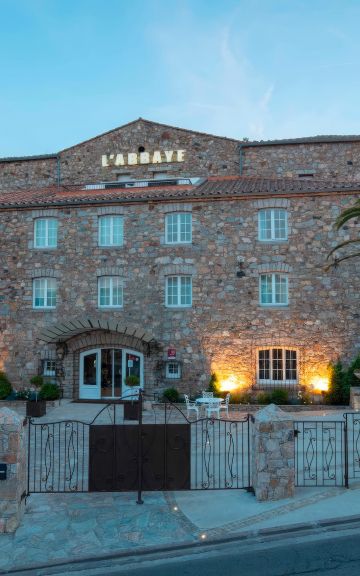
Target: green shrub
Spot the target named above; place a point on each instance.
(24, 394)
(132, 380)
(171, 394)
(263, 398)
(213, 384)
(5, 386)
(280, 396)
(351, 379)
(241, 397)
(49, 391)
(339, 385)
(37, 381)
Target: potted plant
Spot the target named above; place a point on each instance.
(34, 406)
(131, 407)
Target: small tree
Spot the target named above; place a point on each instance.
(339, 388)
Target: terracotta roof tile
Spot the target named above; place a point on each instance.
(213, 187)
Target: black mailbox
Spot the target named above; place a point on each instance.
(3, 471)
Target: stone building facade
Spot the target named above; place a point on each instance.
(208, 271)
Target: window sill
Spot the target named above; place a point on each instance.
(177, 243)
(284, 241)
(110, 307)
(44, 309)
(178, 307)
(272, 306)
(43, 248)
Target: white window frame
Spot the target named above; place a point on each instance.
(274, 276)
(178, 216)
(273, 236)
(178, 291)
(46, 286)
(111, 287)
(47, 236)
(173, 375)
(111, 219)
(276, 382)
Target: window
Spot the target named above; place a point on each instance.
(45, 233)
(273, 290)
(49, 368)
(178, 291)
(178, 228)
(277, 366)
(111, 231)
(273, 224)
(110, 292)
(44, 293)
(173, 370)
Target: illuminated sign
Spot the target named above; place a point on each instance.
(134, 158)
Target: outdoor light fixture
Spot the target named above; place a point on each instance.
(61, 350)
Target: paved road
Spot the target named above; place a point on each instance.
(311, 552)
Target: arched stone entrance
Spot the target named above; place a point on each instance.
(99, 355)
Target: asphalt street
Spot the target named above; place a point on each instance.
(331, 552)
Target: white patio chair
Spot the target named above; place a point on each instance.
(225, 406)
(207, 394)
(190, 406)
(213, 408)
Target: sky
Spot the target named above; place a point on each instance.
(259, 69)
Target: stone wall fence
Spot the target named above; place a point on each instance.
(272, 456)
(13, 469)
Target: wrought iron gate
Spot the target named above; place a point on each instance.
(164, 450)
(327, 453)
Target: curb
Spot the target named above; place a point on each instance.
(291, 529)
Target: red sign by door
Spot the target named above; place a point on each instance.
(171, 352)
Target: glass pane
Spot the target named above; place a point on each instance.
(117, 292)
(264, 364)
(277, 364)
(265, 224)
(266, 289)
(280, 289)
(185, 291)
(117, 222)
(104, 291)
(185, 227)
(172, 287)
(106, 372)
(90, 369)
(40, 233)
(52, 233)
(171, 228)
(51, 292)
(117, 372)
(104, 234)
(291, 365)
(133, 365)
(280, 217)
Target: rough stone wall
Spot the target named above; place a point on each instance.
(273, 451)
(226, 324)
(27, 174)
(339, 161)
(12, 453)
(204, 155)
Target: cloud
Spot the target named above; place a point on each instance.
(211, 84)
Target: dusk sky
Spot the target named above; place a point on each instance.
(262, 69)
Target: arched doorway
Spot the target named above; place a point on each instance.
(102, 372)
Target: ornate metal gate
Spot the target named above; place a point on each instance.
(163, 450)
(327, 453)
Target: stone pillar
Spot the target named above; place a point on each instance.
(273, 449)
(13, 452)
(355, 397)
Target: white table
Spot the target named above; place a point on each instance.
(208, 401)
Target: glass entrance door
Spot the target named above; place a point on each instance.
(103, 372)
(111, 373)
